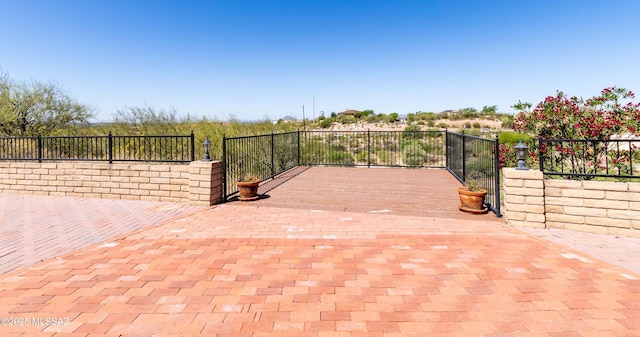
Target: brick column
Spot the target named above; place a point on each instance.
(205, 183)
(524, 197)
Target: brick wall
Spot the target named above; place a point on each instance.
(592, 206)
(196, 183)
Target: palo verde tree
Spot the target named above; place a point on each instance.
(32, 108)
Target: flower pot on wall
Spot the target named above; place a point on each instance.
(248, 190)
(472, 201)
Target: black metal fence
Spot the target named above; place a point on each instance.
(262, 157)
(470, 157)
(266, 156)
(99, 148)
(588, 159)
(374, 148)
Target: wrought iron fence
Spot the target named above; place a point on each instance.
(262, 157)
(588, 159)
(266, 156)
(374, 148)
(99, 148)
(470, 157)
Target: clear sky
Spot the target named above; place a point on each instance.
(255, 59)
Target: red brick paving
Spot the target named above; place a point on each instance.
(35, 228)
(252, 269)
(246, 270)
(424, 192)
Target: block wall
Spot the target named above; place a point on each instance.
(591, 206)
(523, 197)
(154, 182)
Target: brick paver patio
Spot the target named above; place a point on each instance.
(260, 270)
(35, 228)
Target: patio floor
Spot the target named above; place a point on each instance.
(280, 269)
(420, 192)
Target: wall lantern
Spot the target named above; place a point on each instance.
(207, 149)
(520, 150)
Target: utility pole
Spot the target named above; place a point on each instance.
(303, 119)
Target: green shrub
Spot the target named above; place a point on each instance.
(512, 137)
(414, 152)
(362, 157)
(414, 157)
(383, 156)
(313, 152)
(325, 123)
(340, 158)
(411, 132)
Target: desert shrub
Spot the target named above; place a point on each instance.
(362, 157)
(484, 167)
(414, 152)
(383, 156)
(411, 132)
(511, 137)
(325, 123)
(313, 152)
(340, 158)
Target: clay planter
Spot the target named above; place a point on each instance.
(472, 202)
(248, 190)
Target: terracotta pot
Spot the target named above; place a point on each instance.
(248, 190)
(472, 201)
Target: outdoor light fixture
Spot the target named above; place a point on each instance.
(520, 150)
(207, 148)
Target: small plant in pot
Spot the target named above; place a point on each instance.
(472, 195)
(248, 187)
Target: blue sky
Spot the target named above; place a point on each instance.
(255, 59)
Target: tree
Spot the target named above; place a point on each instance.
(468, 112)
(29, 109)
(393, 117)
(147, 120)
(367, 113)
(489, 110)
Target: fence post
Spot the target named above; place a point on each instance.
(496, 167)
(299, 135)
(40, 148)
(110, 148)
(224, 168)
(464, 159)
(540, 154)
(446, 148)
(273, 164)
(193, 147)
(369, 148)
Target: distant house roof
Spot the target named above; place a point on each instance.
(349, 112)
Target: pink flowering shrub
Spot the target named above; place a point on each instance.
(561, 117)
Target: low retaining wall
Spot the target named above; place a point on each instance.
(591, 206)
(196, 183)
